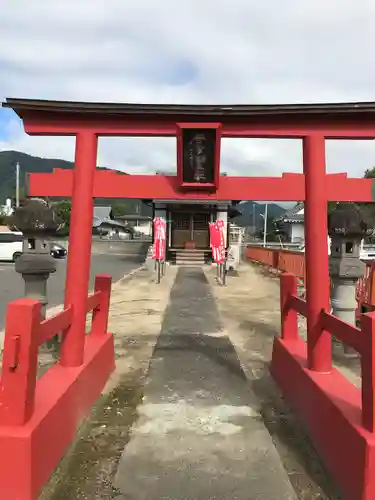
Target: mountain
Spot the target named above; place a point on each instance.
(28, 164)
(32, 164)
(248, 208)
(8, 161)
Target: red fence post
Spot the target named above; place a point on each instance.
(100, 314)
(20, 362)
(289, 317)
(276, 259)
(368, 371)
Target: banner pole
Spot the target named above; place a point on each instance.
(158, 265)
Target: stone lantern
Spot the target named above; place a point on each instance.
(37, 221)
(347, 226)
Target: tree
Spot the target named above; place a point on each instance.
(369, 207)
(63, 209)
(369, 173)
(331, 206)
(273, 231)
(119, 209)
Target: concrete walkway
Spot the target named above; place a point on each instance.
(199, 434)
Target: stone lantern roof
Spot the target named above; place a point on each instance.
(35, 217)
(350, 220)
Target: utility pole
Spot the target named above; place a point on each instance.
(265, 225)
(17, 184)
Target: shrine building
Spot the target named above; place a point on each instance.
(188, 221)
(188, 225)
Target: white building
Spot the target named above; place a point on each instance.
(293, 223)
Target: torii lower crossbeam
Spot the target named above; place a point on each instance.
(288, 187)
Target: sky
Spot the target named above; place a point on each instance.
(191, 52)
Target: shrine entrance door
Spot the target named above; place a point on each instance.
(190, 227)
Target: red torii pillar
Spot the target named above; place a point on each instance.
(319, 343)
(80, 237)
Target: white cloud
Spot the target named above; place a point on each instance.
(232, 51)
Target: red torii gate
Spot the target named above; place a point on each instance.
(312, 123)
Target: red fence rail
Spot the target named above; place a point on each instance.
(283, 260)
(24, 333)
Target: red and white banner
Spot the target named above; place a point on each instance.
(217, 241)
(158, 249)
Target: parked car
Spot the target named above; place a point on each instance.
(367, 253)
(57, 251)
(10, 245)
(124, 234)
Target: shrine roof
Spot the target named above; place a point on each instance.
(208, 112)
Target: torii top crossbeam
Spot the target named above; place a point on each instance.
(271, 120)
(332, 121)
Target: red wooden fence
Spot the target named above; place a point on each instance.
(360, 339)
(39, 417)
(339, 416)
